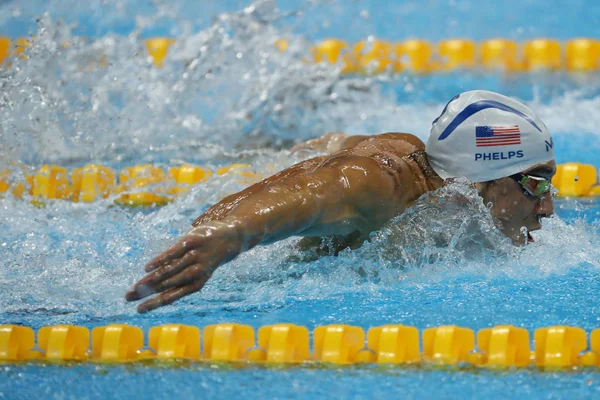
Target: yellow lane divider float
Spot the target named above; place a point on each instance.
(421, 56)
(148, 185)
(503, 346)
(141, 185)
(375, 56)
(575, 179)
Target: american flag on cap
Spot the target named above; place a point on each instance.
(497, 135)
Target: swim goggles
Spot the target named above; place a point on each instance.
(533, 186)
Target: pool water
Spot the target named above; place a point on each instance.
(227, 95)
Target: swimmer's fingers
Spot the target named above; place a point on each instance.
(187, 243)
(165, 257)
(190, 274)
(171, 295)
(185, 267)
(171, 268)
(149, 284)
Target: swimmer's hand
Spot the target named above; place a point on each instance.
(185, 267)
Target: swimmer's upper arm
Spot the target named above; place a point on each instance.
(344, 194)
(226, 205)
(223, 207)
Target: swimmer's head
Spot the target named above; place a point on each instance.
(502, 146)
(483, 136)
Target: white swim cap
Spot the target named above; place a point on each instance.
(484, 136)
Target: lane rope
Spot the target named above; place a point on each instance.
(502, 346)
(375, 56)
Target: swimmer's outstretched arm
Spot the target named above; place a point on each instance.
(336, 194)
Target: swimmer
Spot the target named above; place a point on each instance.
(496, 142)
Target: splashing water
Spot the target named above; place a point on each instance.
(227, 85)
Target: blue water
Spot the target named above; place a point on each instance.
(71, 263)
(352, 21)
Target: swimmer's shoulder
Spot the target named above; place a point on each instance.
(408, 138)
(399, 143)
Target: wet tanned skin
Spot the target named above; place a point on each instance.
(364, 183)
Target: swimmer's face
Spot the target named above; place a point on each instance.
(516, 210)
